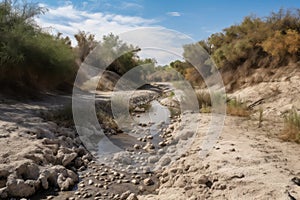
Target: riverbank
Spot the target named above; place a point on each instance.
(42, 158)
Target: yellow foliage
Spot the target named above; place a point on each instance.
(282, 44)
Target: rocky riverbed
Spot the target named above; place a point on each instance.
(40, 159)
(43, 160)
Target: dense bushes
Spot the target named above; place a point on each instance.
(29, 57)
(275, 37)
(268, 42)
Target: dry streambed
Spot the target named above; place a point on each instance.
(36, 154)
(41, 158)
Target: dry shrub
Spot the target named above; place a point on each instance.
(211, 102)
(204, 99)
(236, 107)
(291, 131)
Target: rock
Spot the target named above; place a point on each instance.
(78, 162)
(68, 158)
(125, 195)
(153, 159)
(132, 196)
(90, 182)
(3, 193)
(82, 185)
(171, 102)
(138, 109)
(148, 182)
(87, 195)
(150, 137)
(103, 174)
(20, 188)
(137, 146)
(64, 183)
(149, 146)
(135, 182)
(222, 187)
(28, 170)
(88, 157)
(162, 144)
(161, 152)
(202, 180)
(58, 176)
(296, 180)
(165, 161)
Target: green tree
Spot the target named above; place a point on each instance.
(29, 57)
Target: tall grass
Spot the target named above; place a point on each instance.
(291, 131)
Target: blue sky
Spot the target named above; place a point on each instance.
(195, 18)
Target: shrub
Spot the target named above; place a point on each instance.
(29, 57)
(236, 107)
(291, 131)
(204, 99)
(211, 103)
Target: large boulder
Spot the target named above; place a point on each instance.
(20, 188)
(58, 176)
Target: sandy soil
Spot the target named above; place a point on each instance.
(247, 162)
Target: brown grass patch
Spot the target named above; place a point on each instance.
(236, 107)
(291, 131)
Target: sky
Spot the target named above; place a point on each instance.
(160, 23)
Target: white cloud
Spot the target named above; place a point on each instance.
(69, 20)
(131, 29)
(128, 5)
(158, 42)
(174, 14)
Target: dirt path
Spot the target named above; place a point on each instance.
(246, 163)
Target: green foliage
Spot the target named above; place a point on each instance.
(111, 53)
(30, 57)
(276, 38)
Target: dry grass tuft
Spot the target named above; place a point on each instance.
(291, 131)
(236, 107)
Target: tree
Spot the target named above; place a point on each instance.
(30, 57)
(85, 44)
